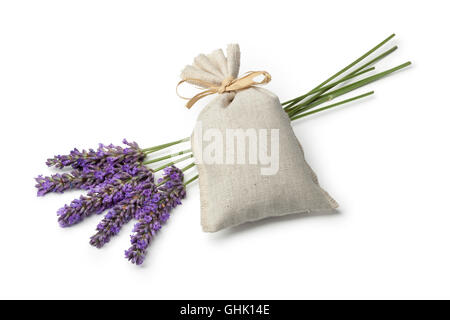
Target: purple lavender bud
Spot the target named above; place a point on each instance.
(123, 212)
(99, 159)
(156, 198)
(102, 197)
(57, 183)
(152, 215)
(85, 179)
(156, 226)
(164, 217)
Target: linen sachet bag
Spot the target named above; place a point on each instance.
(251, 165)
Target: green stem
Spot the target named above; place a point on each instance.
(332, 105)
(167, 157)
(190, 180)
(329, 86)
(338, 92)
(172, 163)
(377, 58)
(188, 167)
(163, 146)
(347, 67)
(293, 107)
(351, 75)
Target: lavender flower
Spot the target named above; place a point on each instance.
(92, 159)
(103, 197)
(155, 212)
(123, 212)
(57, 183)
(116, 179)
(88, 176)
(74, 180)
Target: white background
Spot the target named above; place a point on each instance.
(75, 73)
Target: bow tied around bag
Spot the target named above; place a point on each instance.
(250, 164)
(207, 72)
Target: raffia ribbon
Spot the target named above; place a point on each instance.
(228, 85)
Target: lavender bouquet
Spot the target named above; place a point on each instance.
(121, 180)
(118, 179)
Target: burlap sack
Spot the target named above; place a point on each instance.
(234, 193)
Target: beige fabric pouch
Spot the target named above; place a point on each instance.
(272, 178)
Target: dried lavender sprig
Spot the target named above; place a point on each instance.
(91, 167)
(122, 213)
(103, 196)
(154, 215)
(85, 179)
(93, 159)
(92, 176)
(57, 183)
